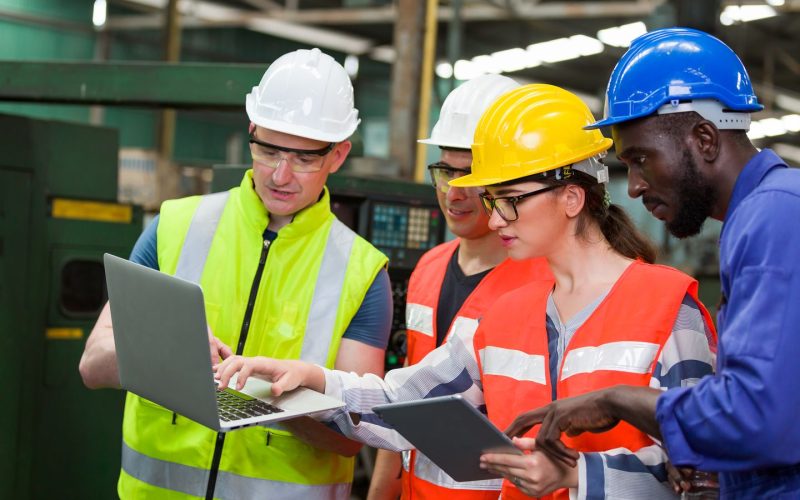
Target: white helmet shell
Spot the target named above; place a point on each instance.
(305, 93)
(463, 108)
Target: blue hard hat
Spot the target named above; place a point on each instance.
(676, 65)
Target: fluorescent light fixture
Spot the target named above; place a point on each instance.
(776, 3)
(444, 70)
(351, 66)
(99, 13)
(791, 122)
(510, 60)
(586, 45)
(787, 102)
(466, 70)
(486, 64)
(745, 13)
(622, 36)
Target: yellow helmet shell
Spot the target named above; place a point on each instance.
(529, 130)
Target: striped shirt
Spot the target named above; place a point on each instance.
(453, 369)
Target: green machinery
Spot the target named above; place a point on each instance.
(58, 215)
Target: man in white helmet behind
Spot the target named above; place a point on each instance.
(282, 277)
(453, 283)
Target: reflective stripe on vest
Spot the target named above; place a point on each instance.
(328, 289)
(629, 357)
(514, 364)
(193, 481)
(419, 318)
(200, 235)
(427, 470)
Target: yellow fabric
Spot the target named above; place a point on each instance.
(530, 130)
(277, 329)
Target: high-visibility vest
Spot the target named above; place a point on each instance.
(314, 279)
(421, 478)
(618, 344)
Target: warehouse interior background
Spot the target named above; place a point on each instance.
(108, 107)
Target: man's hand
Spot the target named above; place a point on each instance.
(219, 350)
(573, 416)
(596, 411)
(285, 374)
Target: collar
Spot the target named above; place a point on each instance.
(751, 176)
(252, 210)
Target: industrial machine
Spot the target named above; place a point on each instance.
(401, 218)
(58, 215)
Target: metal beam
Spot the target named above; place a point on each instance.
(206, 86)
(388, 14)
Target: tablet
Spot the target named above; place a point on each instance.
(449, 431)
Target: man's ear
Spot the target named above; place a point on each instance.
(706, 138)
(574, 197)
(339, 155)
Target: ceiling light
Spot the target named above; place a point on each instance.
(486, 64)
(622, 36)
(444, 70)
(351, 66)
(99, 12)
(465, 70)
(791, 122)
(776, 3)
(510, 60)
(745, 13)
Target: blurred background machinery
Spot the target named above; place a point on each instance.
(58, 215)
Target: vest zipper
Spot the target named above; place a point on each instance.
(251, 302)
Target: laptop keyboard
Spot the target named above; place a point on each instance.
(235, 407)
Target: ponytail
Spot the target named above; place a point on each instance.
(624, 237)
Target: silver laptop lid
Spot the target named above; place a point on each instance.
(161, 339)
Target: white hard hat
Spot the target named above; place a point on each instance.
(463, 108)
(305, 93)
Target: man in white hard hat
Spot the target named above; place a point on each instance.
(282, 277)
(453, 283)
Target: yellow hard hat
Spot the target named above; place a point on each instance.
(529, 130)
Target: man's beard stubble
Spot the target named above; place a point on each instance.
(695, 199)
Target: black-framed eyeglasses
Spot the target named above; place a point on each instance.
(506, 206)
(300, 160)
(442, 173)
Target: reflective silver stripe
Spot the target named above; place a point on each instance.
(514, 364)
(464, 328)
(193, 481)
(200, 235)
(630, 357)
(427, 470)
(419, 318)
(406, 459)
(327, 292)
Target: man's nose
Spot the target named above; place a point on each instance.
(283, 172)
(636, 183)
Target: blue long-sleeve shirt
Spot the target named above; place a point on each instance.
(742, 422)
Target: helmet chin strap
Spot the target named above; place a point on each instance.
(711, 110)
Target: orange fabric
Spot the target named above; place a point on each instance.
(424, 287)
(641, 307)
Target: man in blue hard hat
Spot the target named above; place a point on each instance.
(679, 104)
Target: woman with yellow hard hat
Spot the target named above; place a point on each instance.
(612, 317)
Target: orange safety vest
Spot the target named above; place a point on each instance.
(421, 478)
(618, 344)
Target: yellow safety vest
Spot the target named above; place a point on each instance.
(316, 275)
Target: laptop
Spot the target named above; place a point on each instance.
(450, 432)
(163, 355)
